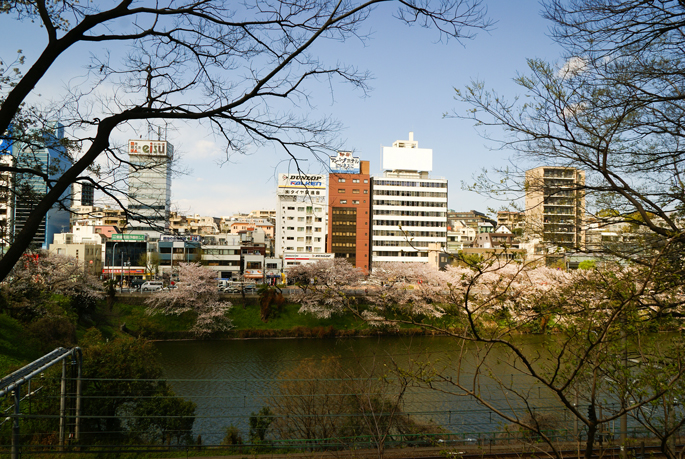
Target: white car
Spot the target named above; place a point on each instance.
(152, 286)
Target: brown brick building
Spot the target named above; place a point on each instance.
(349, 216)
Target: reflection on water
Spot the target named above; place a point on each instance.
(228, 380)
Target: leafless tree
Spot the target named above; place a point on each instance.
(614, 109)
(234, 67)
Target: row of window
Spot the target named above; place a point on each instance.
(303, 249)
(354, 201)
(307, 209)
(409, 213)
(426, 194)
(383, 202)
(220, 252)
(356, 180)
(408, 233)
(354, 191)
(410, 183)
(405, 223)
(301, 239)
(342, 233)
(301, 228)
(401, 244)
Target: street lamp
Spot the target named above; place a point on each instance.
(111, 267)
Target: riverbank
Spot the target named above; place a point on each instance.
(21, 343)
(130, 313)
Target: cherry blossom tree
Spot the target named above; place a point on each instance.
(195, 291)
(599, 315)
(325, 287)
(40, 275)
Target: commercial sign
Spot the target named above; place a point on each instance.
(301, 181)
(309, 256)
(149, 147)
(128, 237)
(344, 163)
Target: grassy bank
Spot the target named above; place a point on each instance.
(247, 323)
(19, 343)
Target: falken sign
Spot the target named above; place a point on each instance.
(301, 181)
(149, 147)
(344, 163)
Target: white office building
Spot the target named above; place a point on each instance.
(149, 187)
(409, 206)
(301, 214)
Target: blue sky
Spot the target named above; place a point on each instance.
(413, 83)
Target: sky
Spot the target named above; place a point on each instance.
(414, 76)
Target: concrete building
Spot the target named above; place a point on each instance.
(301, 214)
(149, 192)
(88, 254)
(349, 211)
(512, 220)
(555, 207)
(268, 215)
(459, 236)
(470, 218)
(409, 206)
(192, 225)
(221, 253)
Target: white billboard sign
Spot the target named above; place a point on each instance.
(407, 159)
(149, 147)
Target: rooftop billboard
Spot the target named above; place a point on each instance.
(150, 147)
(301, 181)
(344, 163)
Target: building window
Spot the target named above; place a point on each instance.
(300, 228)
(300, 209)
(355, 191)
(366, 180)
(341, 190)
(343, 201)
(341, 180)
(366, 191)
(355, 202)
(355, 180)
(300, 219)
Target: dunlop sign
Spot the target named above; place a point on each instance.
(301, 181)
(149, 147)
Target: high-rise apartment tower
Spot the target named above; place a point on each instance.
(555, 205)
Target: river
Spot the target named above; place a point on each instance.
(229, 380)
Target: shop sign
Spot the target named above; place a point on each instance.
(128, 237)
